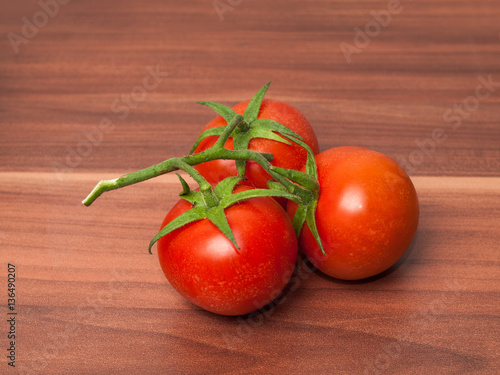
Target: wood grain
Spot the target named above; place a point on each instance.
(91, 300)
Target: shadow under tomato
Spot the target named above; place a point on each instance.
(266, 310)
(374, 278)
(303, 270)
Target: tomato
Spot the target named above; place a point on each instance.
(207, 269)
(285, 156)
(367, 213)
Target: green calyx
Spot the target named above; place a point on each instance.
(251, 127)
(211, 202)
(215, 213)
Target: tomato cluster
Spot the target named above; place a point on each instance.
(231, 246)
(367, 215)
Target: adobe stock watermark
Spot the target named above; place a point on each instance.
(55, 343)
(420, 322)
(121, 107)
(455, 116)
(30, 27)
(223, 6)
(363, 38)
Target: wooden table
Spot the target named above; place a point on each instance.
(91, 300)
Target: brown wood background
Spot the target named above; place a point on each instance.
(90, 300)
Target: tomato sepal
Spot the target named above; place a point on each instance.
(298, 177)
(227, 185)
(218, 218)
(240, 142)
(226, 112)
(213, 132)
(252, 111)
(257, 132)
(310, 168)
(229, 200)
(311, 223)
(271, 125)
(194, 214)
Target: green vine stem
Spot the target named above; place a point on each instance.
(217, 151)
(170, 165)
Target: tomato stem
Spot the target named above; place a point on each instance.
(217, 151)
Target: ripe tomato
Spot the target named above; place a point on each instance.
(367, 213)
(206, 268)
(285, 156)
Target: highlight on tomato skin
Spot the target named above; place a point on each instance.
(206, 268)
(367, 213)
(285, 156)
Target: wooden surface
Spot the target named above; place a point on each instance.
(91, 300)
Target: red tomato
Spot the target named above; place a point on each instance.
(206, 268)
(285, 156)
(367, 213)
